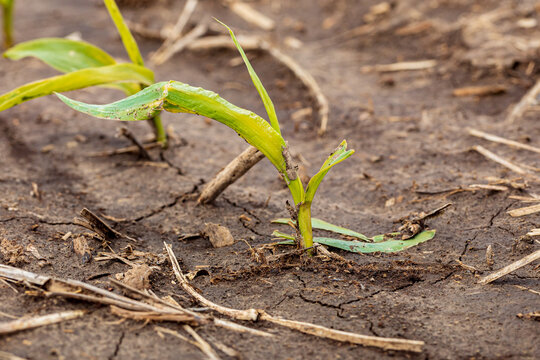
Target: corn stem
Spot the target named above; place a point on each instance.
(8, 23)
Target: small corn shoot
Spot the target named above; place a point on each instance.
(177, 97)
(83, 65)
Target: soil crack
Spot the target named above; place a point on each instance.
(118, 345)
(175, 201)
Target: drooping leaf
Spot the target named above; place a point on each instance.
(363, 247)
(268, 104)
(64, 55)
(340, 154)
(175, 96)
(128, 40)
(323, 225)
(77, 80)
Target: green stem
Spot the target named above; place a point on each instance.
(8, 23)
(161, 135)
(304, 224)
(304, 211)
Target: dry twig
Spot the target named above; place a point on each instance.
(92, 222)
(164, 52)
(524, 211)
(479, 90)
(124, 131)
(501, 140)
(529, 99)
(488, 154)
(34, 322)
(400, 66)
(124, 150)
(229, 174)
(7, 356)
(249, 14)
(510, 268)
(202, 344)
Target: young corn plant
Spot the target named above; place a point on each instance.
(7, 18)
(177, 97)
(84, 65)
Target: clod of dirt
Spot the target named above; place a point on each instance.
(81, 248)
(12, 252)
(218, 235)
(137, 277)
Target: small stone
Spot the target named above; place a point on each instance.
(218, 235)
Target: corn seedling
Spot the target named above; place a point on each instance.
(84, 65)
(177, 97)
(7, 18)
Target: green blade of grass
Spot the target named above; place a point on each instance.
(362, 247)
(63, 55)
(76, 80)
(175, 96)
(268, 104)
(337, 156)
(129, 42)
(323, 225)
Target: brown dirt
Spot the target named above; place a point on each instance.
(409, 134)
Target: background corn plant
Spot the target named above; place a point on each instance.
(83, 65)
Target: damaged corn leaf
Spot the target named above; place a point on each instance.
(363, 247)
(338, 155)
(111, 74)
(175, 96)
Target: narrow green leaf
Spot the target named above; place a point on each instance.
(383, 237)
(362, 247)
(130, 44)
(268, 104)
(175, 96)
(63, 55)
(76, 80)
(340, 154)
(282, 235)
(323, 225)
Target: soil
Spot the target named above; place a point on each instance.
(409, 134)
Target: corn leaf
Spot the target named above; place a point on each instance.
(323, 225)
(337, 156)
(67, 55)
(77, 80)
(63, 55)
(268, 104)
(388, 246)
(129, 42)
(175, 96)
